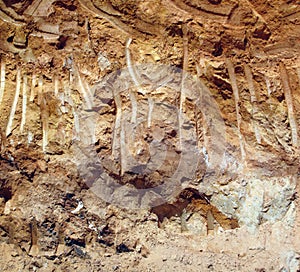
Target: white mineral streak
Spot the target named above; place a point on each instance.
(289, 102)
(15, 102)
(236, 98)
(24, 103)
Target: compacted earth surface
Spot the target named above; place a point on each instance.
(156, 135)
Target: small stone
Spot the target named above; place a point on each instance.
(7, 207)
(115, 267)
(42, 165)
(122, 248)
(144, 251)
(14, 253)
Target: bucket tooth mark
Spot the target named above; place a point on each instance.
(117, 126)
(39, 8)
(45, 121)
(182, 94)
(56, 85)
(76, 135)
(289, 101)
(84, 88)
(88, 5)
(133, 75)
(219, 14)
(298, 74)
(253, 99)
(2, 79)
(232, 77)
(269, 88)
(40, 89)
(32, 88)
(150, 111)
(34, 248)
(8, 15)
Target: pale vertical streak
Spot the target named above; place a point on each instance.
(44, 110)
(131, 69)
(151, 106)
(83, 89)
(258, 15)
(135, 81)
(123, 148)
(76, 124)
(89, 91)
(69, 85)
(298, 73)
(2, 79)
(45, 135)
(33, 83)
(204, 124)
(24, 103)
(268, 84)
(40, 89)
(15, 102)
(253, 100)
(182, 95)
(236, 98)
(289, 102)
(117, 126)
(56, 85)
(45, 122)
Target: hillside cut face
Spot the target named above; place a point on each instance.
(155, 135)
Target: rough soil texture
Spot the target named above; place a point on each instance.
(149, 135)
